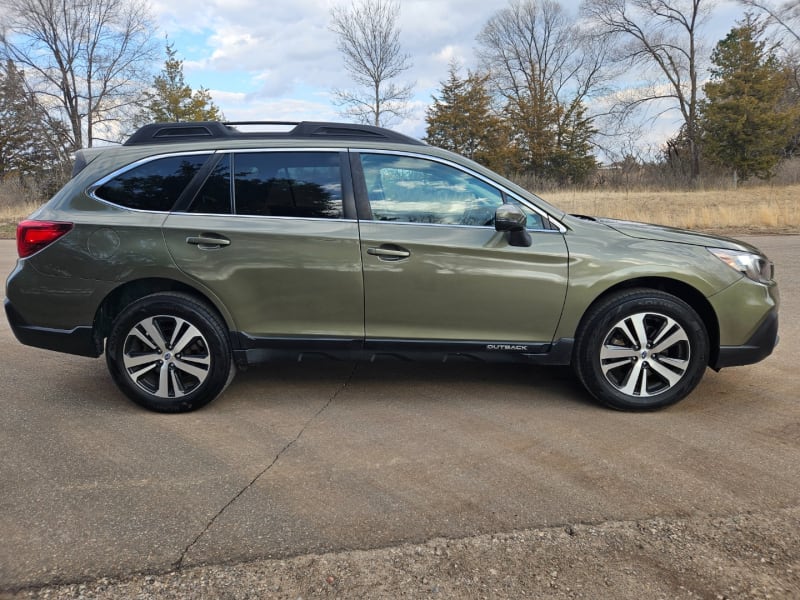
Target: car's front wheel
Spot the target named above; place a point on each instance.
(169, 353)
(641, 349)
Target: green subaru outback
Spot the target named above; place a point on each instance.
(195, 249)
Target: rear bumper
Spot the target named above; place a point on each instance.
(758, 347)
(80, 340)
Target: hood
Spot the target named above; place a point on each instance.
(647, 231)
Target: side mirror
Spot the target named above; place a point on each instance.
(509, 217)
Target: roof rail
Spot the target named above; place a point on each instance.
(171, 133)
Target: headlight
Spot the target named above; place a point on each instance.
(755, 266)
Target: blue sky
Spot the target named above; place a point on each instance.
(278, 60)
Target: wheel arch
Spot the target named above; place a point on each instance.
(120, 297)
(695, 299)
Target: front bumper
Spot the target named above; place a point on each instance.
(757, 348)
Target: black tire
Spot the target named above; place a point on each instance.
(170, 353)
(641, 349)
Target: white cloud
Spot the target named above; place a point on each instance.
(246, 107)
(279, 59)
(289, 42)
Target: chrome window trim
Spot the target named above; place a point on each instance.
(277, 217)
(545, 216)
(92, 189)
(482, 227)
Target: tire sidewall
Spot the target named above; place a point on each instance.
(197, 315)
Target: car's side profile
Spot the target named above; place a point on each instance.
(197, 248)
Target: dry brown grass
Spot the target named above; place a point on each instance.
(11, 215)
(767, 208)
(17, 201)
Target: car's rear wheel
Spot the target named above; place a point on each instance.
(641, 349)
(169, 353)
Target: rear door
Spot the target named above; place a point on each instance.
(435, 269)
(273, 235)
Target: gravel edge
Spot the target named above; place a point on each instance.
(750, 555)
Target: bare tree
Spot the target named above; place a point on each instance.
(86, 60)
(785, 15)
(369, 41)
(545, 67)
(661, 36)
(536, 45)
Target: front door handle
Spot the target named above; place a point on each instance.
(208, 241)
(389, 252)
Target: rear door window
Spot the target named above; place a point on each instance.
(288, 184)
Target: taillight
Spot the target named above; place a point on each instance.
(32, 236)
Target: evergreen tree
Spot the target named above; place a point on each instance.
(792, 64)
(30, 142)
(573, 162)
(746, 121)
(549, 140)
(461, 120)
(173, 100)
(532, 118)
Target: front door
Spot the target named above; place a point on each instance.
(435, 269)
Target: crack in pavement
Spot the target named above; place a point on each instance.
(179, 563)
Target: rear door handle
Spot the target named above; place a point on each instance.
(389, 252)
(208, 241)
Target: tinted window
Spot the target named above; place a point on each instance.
(215, 194)
(414, 190)
(288, 184)
(154, 185)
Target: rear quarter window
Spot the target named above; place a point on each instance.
(155, 185)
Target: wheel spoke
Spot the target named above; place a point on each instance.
(136, 375)
(643, 382)
(617, 352)
(677, 336)
(610, 366)
(626, 330)
(191, 369)
(678, 364)
(641, 331)
(188, 333)
(671, 376)
(139, 335)
(177, 386)
(152, 330)
(163, 382)
(134, 360)
(631, 383)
